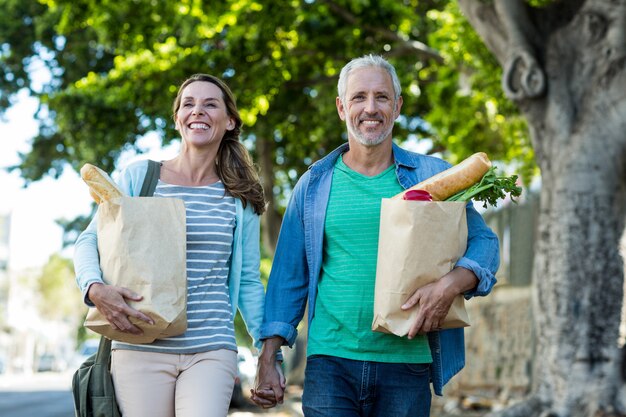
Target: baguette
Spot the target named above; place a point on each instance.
(101, 186)
(455, 179)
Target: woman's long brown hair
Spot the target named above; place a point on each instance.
(235, 167)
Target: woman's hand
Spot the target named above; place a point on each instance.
(111, 302)
(269, 386)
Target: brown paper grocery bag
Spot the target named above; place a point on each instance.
(142, 246)
(419, 242)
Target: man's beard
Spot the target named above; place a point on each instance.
(361, 137)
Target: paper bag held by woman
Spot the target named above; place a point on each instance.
(142, 247)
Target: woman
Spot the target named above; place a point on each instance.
(192, 374)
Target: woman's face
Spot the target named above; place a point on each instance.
(201, 118)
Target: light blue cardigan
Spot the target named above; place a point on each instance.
(244, 284)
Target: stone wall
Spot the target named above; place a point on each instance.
(499, 345)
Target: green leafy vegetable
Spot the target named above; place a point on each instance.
(490, 189)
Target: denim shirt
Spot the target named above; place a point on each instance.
(298, 258)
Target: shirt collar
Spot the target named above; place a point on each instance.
(401, 158)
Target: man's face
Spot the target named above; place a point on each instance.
(369, 108)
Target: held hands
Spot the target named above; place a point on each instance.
(434, 300)
(269, 386)
(111, 302)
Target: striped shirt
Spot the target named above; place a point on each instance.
(210, 227)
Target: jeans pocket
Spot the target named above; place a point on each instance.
(316, 358)
(418, 368)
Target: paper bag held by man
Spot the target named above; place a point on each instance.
(420, 242)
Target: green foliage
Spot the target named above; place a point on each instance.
(115, 67)
(242, 337)
(20, 37)
(469, 111)
(490, 189)
(60, 298)
(266, 267)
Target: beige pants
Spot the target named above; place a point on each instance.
(151, 384)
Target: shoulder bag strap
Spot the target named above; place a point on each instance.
(151, 179)
(104, 351)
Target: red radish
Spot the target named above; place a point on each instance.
(417, 195)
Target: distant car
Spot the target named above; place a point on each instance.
(49, 362)
(88, 348)
(246, 365)
(246, 372)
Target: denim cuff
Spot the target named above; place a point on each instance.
(277, 328)
(486, 280)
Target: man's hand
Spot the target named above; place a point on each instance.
(111, 302)
(269, 386)
(434, 300)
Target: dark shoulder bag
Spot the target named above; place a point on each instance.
(92, 384)
(151, 179)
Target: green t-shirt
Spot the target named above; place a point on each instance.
(344, 307)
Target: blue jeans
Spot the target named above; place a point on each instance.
(337, 387)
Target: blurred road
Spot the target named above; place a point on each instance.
(44, 394)
(48, 394)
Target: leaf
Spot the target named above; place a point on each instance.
(490, 189)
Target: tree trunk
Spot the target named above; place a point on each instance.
(565, 66)
(271, 220)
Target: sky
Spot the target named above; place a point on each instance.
(34, 234)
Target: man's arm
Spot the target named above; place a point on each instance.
(288, 284)
(482, 256)
(285, 302)
(436, 298)
(269, 386)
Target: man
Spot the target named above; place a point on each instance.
(327, 251)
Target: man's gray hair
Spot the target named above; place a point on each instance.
(364, 62)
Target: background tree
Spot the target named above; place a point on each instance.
(115, 68)
(60, 298)
(565, 67)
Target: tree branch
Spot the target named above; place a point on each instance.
(508, 32)
(423, 50)
(484, 19)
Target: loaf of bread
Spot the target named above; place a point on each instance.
(455, 179)
(101, 186)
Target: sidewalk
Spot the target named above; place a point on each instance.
(36, 381)
(291, 407)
